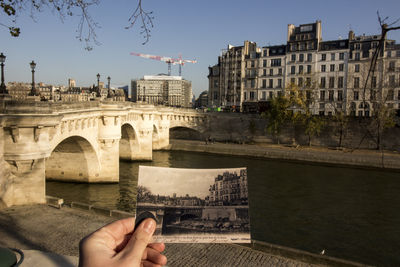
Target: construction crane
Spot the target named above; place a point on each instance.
(169, 60)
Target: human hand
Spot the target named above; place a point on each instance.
(117, 245)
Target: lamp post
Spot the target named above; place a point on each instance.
(3, 89)
(98, 84)
(33, 90)
(109, 88)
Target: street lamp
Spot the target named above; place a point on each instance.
(3, 89)
(33, 66)
(98, 84)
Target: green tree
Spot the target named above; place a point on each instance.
(277, 115)
(86, 29)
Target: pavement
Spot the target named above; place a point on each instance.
(49, 237)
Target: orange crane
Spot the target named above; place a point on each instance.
(169, 60)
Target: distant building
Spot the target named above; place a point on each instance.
(331, 74)
(202, 100)
(162, 90)
(71, 83)
(229, 189)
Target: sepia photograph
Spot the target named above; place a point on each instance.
(195, 205)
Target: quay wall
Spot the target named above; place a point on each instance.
(361, 158)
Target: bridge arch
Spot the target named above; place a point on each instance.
(129, 142)
(73, 159)
(187, 133)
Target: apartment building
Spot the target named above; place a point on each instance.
(332, 73)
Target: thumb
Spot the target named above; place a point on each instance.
(141, 237)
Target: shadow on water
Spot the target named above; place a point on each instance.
(351, 213)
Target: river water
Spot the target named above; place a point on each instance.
(351, 213)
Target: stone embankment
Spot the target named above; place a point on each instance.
(53, 232)
(346, 157)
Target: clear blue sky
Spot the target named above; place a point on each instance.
(196, 29)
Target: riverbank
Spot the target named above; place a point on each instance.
(47, 229)
(346, 157)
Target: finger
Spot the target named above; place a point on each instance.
(119, 229)
(154, 256)
(157, 246)
(149, 264)
(139, 240)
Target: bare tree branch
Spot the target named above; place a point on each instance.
(146, 19)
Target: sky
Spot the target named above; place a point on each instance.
(198, 30)
(167, 181)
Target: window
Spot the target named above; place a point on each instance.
(357, 68)
(309, 57)
(333, 56)
(357, 56)
(280, 71)
(301, 69)
(392, 65)
(340, 95)
(270, 95)
(365, 54)
(265, 53)
(301, 57)
(389, 54)
(264, 83)
(253, 83)
(264, 72)
(264, 95)
(332, 67)
(292, 80)
(341, 67)
(323, 57)
(252, 64)
(356, 82)
(292, 70)
(323, 68)
(271, 72)
(355, 96)
(398, 95)
(279, 83)
(330, 96)
(308, 69)
(340, 82)
(275, 62)
(308, 82)
(392, 81)
(390, 95)
(373, 82)
(321, 106)
(308, 95)
(264, 63)
(245, 95)
(322, 95)
(341, 56)
(372, 95)
(271, 83)
(300, 82)
(323, 82)
(331, 82)
(398, 53)
(360, 113)
(252, 95)
(293, 57)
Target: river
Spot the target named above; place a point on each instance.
(350, 213)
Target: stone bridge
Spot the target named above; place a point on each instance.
(79, 142)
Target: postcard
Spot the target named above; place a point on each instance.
(195, 205)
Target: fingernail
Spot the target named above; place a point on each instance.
(149, 226)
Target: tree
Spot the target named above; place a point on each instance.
(302, 101)
(86, 29)
(277, 115)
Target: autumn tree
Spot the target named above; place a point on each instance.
(86, 28)
(277, 115)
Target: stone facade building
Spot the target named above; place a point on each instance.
(331, 73)
(229, 189)
(163, 90)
